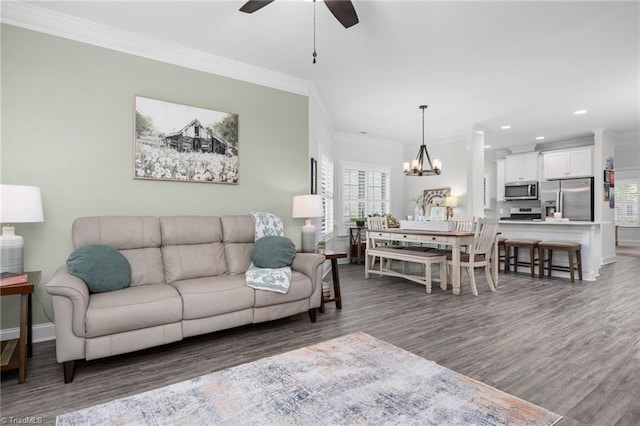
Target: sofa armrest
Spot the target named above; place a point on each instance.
(309, 264)
(66, 285)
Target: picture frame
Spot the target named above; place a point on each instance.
(176, 142)
(314, 176)
(436, 197)
(437, 213)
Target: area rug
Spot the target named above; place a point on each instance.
(355, 379)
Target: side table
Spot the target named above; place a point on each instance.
(333, 256)
(25, 342)
(356, 245)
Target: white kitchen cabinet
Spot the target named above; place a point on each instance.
(521, 167)
(500, 165)
(570, 163)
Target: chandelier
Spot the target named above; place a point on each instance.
(420, 167)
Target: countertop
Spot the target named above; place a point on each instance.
(550, 222)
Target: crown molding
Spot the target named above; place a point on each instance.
(364, 139)
(315, 97)
(45, 21)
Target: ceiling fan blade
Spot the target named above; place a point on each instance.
(344, 12)
(253, 5)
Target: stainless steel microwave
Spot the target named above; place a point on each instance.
(521, 191)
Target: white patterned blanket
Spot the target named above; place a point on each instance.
(279, 279)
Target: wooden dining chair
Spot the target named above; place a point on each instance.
(463, 223)
(377, 223)
(479, 252)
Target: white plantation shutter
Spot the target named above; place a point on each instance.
(326, 190)
(365, 190)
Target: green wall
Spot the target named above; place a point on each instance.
(67, 127)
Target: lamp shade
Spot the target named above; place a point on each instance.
(306, 206)
(451, 201)
(20, 204)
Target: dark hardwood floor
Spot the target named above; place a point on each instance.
(571, 348)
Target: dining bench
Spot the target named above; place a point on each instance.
(425, 258)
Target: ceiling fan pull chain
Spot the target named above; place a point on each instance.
(315, 55)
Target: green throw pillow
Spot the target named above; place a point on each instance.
(273, 252)
(102, 268)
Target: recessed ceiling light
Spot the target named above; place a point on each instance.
(487, 146)
(539, 138)
(505, 127)
(580, 111)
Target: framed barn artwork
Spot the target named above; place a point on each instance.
(178, 142)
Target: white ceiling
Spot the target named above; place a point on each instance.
(478, 65)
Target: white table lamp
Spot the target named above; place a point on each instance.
(450, 203)
(18, 204)
(308, 207)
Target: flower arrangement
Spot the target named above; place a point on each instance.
(419, 205)
(392, 222)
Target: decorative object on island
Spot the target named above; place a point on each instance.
(418, 167)
(450, 202)
(20, 204)
(184, 143)
(308, 207)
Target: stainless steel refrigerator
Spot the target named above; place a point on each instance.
(572, 197)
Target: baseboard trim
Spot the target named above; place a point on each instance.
(634, 243)
(41, 332)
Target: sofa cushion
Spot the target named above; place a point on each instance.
(238, 238)
(206, 297)
(273, 252)
(137, 238)
(132, 308)
(120, 232)
(299, 289)
(192, 247)
(101, 267)
(146, 265)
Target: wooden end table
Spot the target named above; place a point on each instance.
(333, 256)
(25, 342)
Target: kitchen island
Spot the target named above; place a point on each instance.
(589, 234)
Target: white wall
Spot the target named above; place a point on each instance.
(627, 152)
(455, 154)
(320, 142)
(627, 166)
(68, 125)
(371, 151)
(603, 148)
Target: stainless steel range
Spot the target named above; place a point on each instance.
(524, 214)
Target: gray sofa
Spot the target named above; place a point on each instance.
(187, 278)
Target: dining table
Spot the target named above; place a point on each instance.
(453, 239)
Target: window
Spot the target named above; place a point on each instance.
(365, 190)
(627, 202)
(326, 190)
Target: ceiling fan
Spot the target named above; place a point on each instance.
(343, 10)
